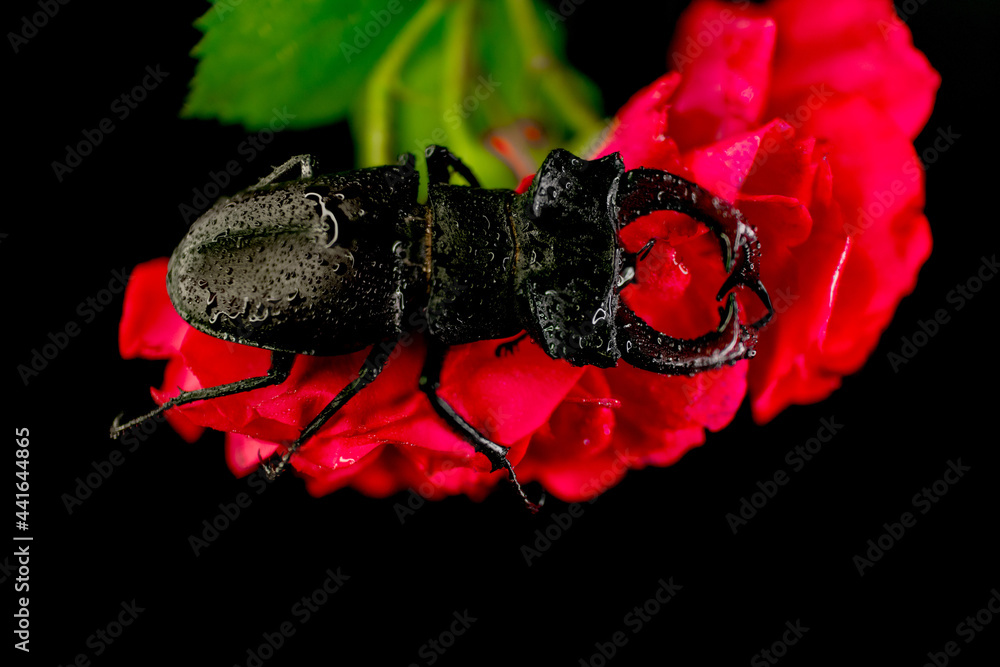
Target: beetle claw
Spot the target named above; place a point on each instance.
(727, 314)
(532, 507)
(644, 347)
(274, 465)
(646, 190)
(746, 273)
(116, 428)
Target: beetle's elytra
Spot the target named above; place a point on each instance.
(329, 264)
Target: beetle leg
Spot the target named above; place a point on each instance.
(281, 366)
(430, 383)
(305, 163)
(646, 190)
(509, 346)
(644, 347)
(439, 159)
(370, 370)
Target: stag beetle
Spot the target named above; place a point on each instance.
(330, 264)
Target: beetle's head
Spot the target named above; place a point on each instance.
(571, 265)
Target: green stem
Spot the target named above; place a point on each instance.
(457, 46)
(554, 79)
(374, 135)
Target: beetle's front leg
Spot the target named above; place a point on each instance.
(439, 159)
(304, 163)
(430, 383)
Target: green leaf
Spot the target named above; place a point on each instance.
(407, 73)
(312, 56)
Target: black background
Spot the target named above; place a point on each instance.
(791, 562)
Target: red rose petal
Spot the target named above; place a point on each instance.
(853, 48)
(571, 455)
(725, 62)
(879, 187)
(243, 453)
(722, 167)
(150, 327)
(640, 129)
(802, 278)
(178, 377)
(505, 397)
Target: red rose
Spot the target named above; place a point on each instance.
(838, 196)
(802, 114)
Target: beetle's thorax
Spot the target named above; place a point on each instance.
(471, 260)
